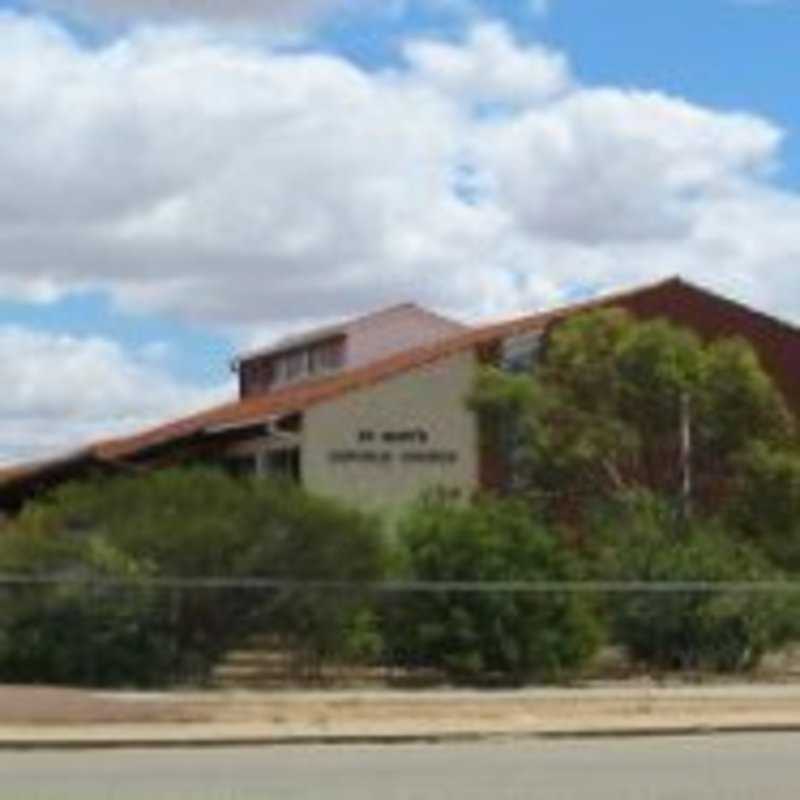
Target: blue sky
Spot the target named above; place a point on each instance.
(187, 184)
(740, 56)
(730, 54)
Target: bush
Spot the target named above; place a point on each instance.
(508, 637)
(302, 537)
(181, 523)
(638, 539)
(765, 506)
(77, 632)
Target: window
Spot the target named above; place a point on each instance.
(296, 364)
(520, 353)
(240, 466)
(282, 464)
(325, 357)
(279, 370)
(256, 376)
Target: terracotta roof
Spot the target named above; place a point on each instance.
(11, 473)
(31, 471)
(293, 399)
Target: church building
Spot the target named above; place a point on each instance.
(372, 411)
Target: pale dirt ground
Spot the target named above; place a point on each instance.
(68, 713)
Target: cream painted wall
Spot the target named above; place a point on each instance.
(430, 399)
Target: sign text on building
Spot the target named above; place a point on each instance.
(369, 440)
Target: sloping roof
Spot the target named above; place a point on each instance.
(293, 399)
(298, 398)
(33, 472)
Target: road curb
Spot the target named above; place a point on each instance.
(446, 737)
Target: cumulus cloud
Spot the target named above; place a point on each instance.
(610, 164)
(61, 390)
(489, 66)
(228, 184)
(281, 12)
(246, 187)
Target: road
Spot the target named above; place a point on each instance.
(701, 768)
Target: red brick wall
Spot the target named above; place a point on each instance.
(712, 317)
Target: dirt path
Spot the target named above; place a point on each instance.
(376, 712)
(26, 705)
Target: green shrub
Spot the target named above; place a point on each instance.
(502, 636)
(184, 524)
(724, 630)
(80, 630)
(302, 537)
(765, 505)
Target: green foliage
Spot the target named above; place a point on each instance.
(603, 412)
(600, 424)
(302, 537)
(501, 397)
(739, 404)
(75, 632)
(636, 539)
(766, 503)
(181, 523)
(501, 636)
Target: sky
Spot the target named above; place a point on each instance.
(181, 180)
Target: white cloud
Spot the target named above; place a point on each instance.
(223, 183)
(280, 12)
(490, 67)
(59, 391)
(609, 164)
(244, 187)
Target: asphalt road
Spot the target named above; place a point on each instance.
(704, 768)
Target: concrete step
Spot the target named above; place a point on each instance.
(255, 667)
